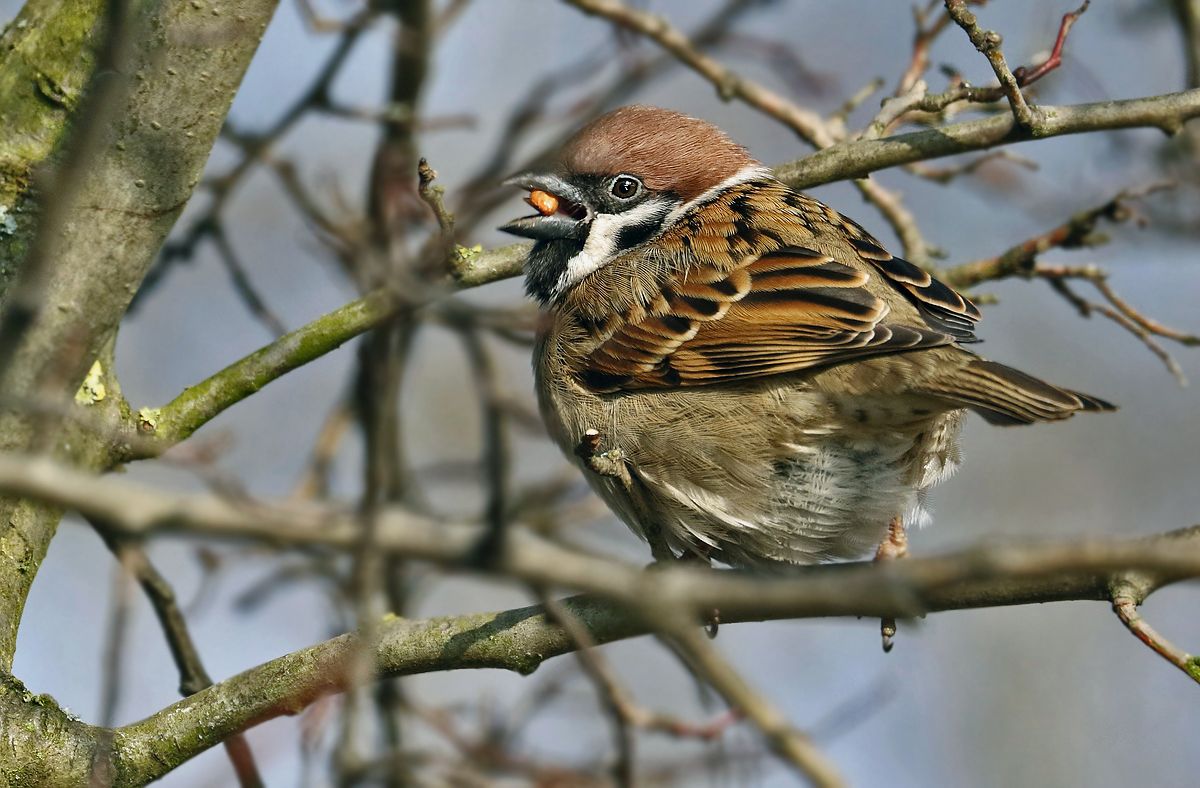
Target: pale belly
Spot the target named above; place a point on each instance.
(774, 473)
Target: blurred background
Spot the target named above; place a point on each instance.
(1058, 695)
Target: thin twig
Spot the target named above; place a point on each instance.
(1126, 599)
(988, 43)
(1127, 611)
(795, 747)
(1059, 276)
(807, 125)
(944, 175)
(614, 698)
(926, 33)
(133, 562)
(115, 642)
(1077, 232)
(314, 482)
(242, 285)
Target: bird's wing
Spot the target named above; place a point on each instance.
(788, 311)
(941, 307)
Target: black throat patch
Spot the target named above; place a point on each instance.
(545, 266)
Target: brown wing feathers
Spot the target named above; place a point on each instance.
(940, 306)
(796, 309)
(1007, 396)
(784, 312)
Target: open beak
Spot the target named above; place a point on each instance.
(562, 210)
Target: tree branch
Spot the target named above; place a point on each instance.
(988, 44)
(124, 202)
(991, 576)
(859, 158)
(160, 428)
(808, 125)
(522, 639)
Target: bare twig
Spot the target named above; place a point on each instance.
(1125, 605)
(433, 196)
(242, 285)
(1077, 232)
(945, 175)
(792, 745)
(926, 33)
(1028, 75)
(1125, 316)
(1001, 574)
(615, 700)
(855, 158)
(997, 575)
(114, 648)
(133, 562)
(1022, 76)
(988, 43)
(314, 482)
(808, 125)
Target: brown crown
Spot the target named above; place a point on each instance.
(667, 150)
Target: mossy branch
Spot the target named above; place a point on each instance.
(160, 428)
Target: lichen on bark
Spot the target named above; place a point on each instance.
(184, 64)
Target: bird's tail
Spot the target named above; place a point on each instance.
(1007, 396)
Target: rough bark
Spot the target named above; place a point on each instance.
(184, 63)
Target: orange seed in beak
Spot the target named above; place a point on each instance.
(545, 202)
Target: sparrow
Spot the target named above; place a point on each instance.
(772, 385)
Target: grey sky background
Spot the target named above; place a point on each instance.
(1058, 695)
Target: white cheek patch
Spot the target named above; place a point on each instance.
(601, 245)
(597, 250)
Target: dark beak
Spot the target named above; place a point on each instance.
(570, 220)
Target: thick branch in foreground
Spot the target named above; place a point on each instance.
(522, 639)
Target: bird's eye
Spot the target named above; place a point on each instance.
(625, 187)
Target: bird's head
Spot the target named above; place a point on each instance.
(619, 183)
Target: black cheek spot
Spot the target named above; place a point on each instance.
(637, 234)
